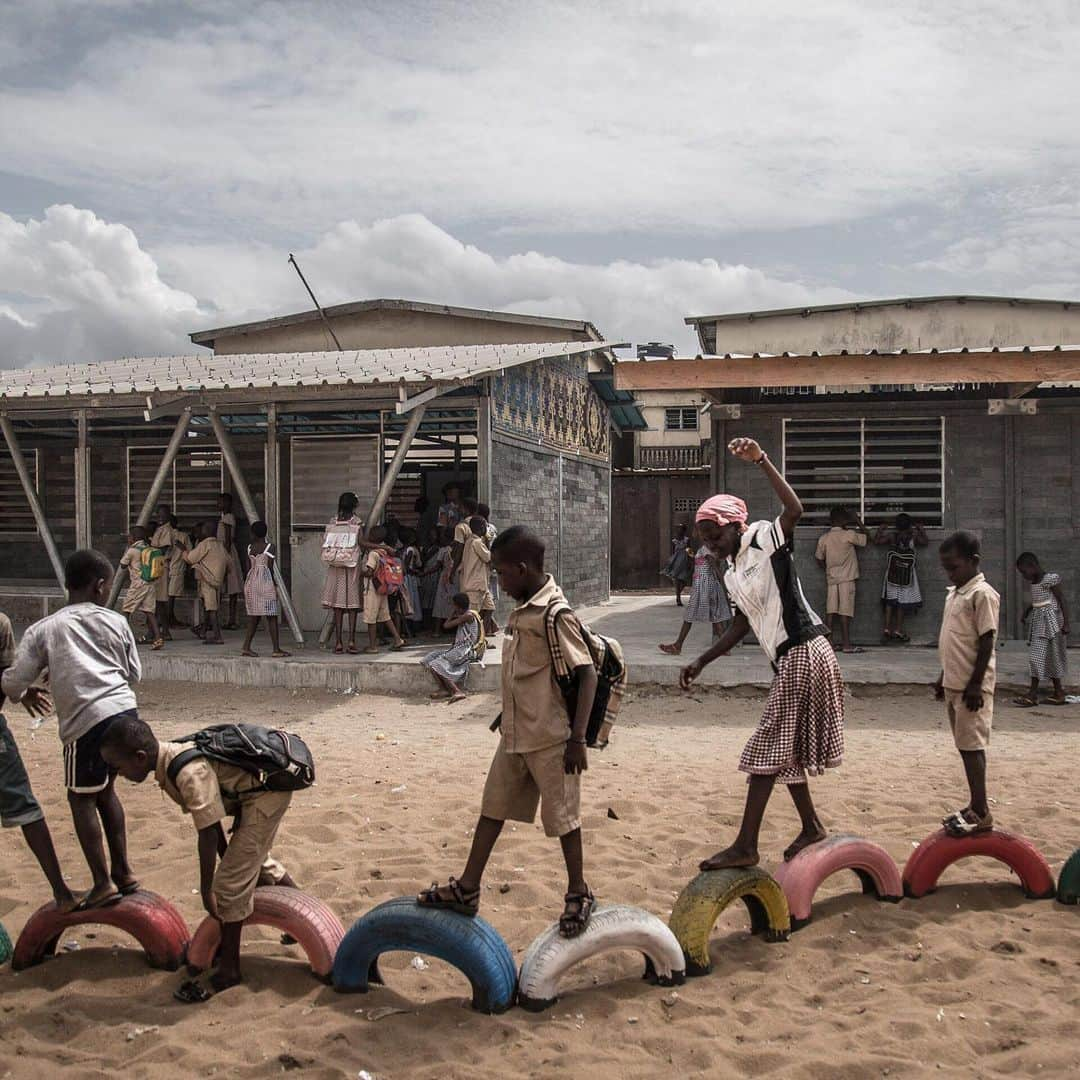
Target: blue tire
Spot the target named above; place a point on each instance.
(471, 945)
(5, 946)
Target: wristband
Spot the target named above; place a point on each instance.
(761, 460)
(578, 742)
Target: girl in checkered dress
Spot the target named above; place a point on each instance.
(260, 592)
(801, 733)
(1047, 620)
(708, 603)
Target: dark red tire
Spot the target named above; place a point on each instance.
(154, 923)
(317, 930)
(938, 851)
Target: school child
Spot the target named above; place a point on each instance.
(376, 604)
(475, 571)
(445, 591)
(181, 542)
(489, 538)
(413, 567)
(163, 538)
(836, 551)
(679, 567)
(1047, 631)
(18, 807)
(450, 667)
(93, 662)
(141, 595)
(210, 790)
(211, 563)
(801, 732)
(969, 627)
(541, 754)
(900, 592)
(343, 589)
(429, 576)
(260, 592)
(233, 583)
(708, 601)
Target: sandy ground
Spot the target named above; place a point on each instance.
(974, 980)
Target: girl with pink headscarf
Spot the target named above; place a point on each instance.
(801, 732)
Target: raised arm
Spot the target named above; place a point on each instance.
(921, 539)
(750, 450)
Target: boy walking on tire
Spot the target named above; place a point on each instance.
(541, 753)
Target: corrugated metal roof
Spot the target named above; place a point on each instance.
(235, 371)
(871, 352)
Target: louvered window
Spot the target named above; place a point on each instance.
(879, 467)
(191, 488)
(16, 519)
(323, 468)
(681, 418)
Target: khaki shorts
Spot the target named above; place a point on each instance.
(209, 596)
(161, 587)
(516, 783)
(247, 854)
(481, 600)
(841, 599)
(376, 605)
(971, 730)
(140, 596)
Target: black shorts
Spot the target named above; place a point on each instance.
(85, 771)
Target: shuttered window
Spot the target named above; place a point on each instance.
(16, 519)
(191, 488)
(879, 467)
(681, 418)
(323, 468)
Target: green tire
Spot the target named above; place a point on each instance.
(1068, 890)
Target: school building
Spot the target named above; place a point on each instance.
(962, 411)
(391, 399)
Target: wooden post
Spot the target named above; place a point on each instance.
(273, 476)
(391, 475)
(82, 485)
(483, 451)
(32, 498)
(152, 496)
(248, 503)
(1012, 497)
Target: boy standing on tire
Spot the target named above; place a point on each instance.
(541, 753)
(210, 791)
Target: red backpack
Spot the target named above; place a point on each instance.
(389, 575)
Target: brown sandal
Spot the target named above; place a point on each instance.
(463, 901)
(576, 914)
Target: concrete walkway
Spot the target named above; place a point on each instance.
(638, 621)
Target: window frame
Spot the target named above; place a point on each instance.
(168, 491)
(683, 410)
(33, 463)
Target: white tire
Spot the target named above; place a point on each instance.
(612, 926)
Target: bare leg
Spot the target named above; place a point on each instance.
(676, 646)
(812, 829)
(744, 852)
(845, 632)
(112, 818)
(575, 862)
(975, 768)
(373, 637)
(39, 841)
(275, 640)
(1059, 690)
(228, 957)
(353, 615)
(152, 626)
(213, 627)
(487, 832)
(339, 619)
(398, 639)
(252, 626)
(84, 813)
(446, 687)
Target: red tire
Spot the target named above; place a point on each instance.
(157, 926)
(873, 865)
(316, 928)
(927, 862)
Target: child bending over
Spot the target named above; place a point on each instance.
(969, 626)
(93, 661)
(210, 791)
(541, 755)
(450, 667)
(1048, 631)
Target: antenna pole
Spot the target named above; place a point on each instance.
(318, 308)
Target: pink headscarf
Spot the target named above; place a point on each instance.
(724, 510)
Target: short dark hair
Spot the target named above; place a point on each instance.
(1027, 558)
(483, 510)
(478, 525)
(838, 514)
(140, 532)
(469, 506)
(259, 529)
(519, 544)
(377, 534)
(129, 732)
(84, 567)
(904, 522)
(461, 600)
(961, 543)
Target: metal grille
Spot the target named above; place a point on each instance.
(191, 489)
(685, 506)
(16, 518)
(681, 418)
(878, 467)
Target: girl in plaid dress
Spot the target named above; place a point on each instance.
(1048, 630)
(708, 602)
(260, 592)
(802, 730)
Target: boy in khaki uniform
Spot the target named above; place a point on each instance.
(969, 627)
(376, 604)
(164, 538)
(836, 551)
(541, 755)
(211, 562)
(210, 791)
(475, 568)
(141, 595)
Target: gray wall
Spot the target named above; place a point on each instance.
(525, 491)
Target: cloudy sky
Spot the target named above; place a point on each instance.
(631, 163)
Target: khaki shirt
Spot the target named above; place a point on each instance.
(534, 710)
(208, 790)
(163, 537)
(7, 642)
(837, 549)
(970, 611)
(211, 561)
(474, 564)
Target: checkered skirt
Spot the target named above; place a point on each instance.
(802, 729)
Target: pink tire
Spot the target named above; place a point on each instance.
(938, 851)
(157, 926)
(801, 876)
(317, 930)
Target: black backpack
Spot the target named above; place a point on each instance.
(281, 762)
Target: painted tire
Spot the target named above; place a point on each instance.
(1068, 890)
(801, 876)
(939, 850)
(699, 906)
(472, 945)
(614, 926)
(5, 946)
(318, 931)
(157, 926)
